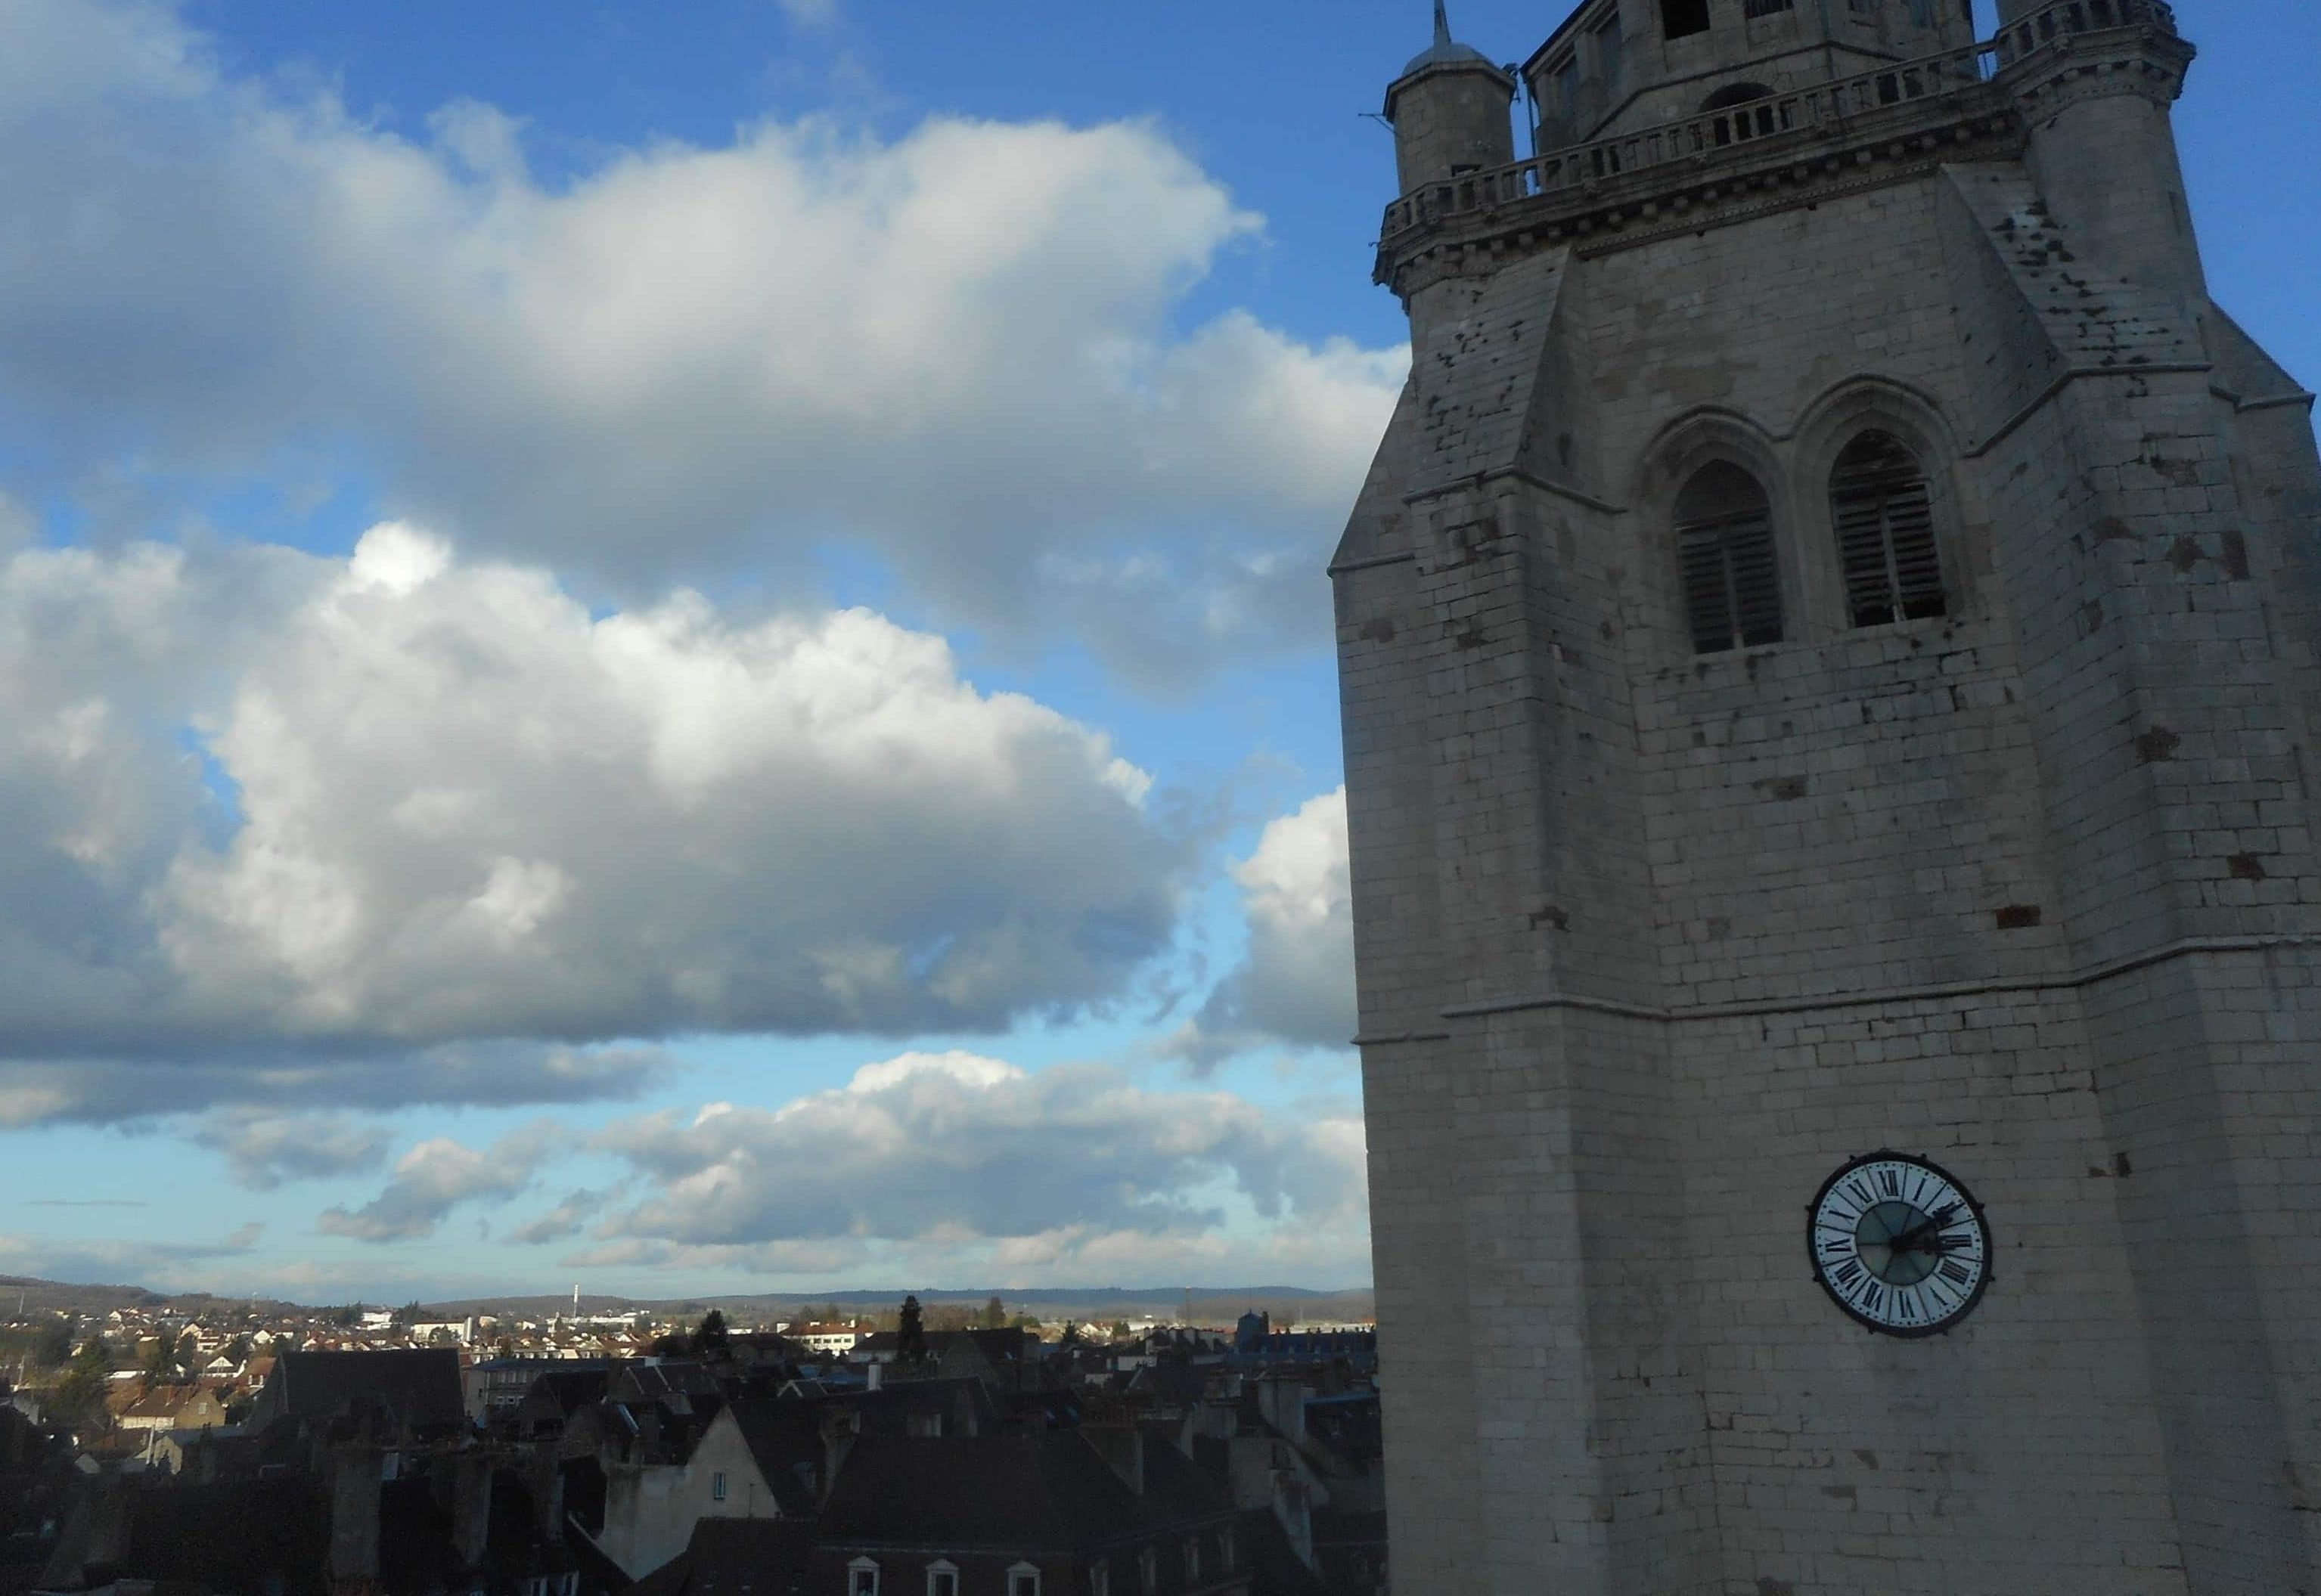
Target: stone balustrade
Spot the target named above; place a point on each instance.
(1821, 110)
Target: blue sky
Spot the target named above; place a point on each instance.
(683, 648)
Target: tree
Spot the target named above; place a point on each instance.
(52, 1347)
(80, 1395)
(409, 1314)
(161, 1359)
(995, 1315)
(711, 1339)
(911, 1337)
(237, 1351)
(1120, 1330)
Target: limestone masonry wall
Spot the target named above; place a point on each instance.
(1651, 942)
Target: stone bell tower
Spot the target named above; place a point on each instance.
(1831, 664)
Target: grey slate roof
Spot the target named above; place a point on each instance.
(1020, 1495)
(421, 1388)
(1445, 51)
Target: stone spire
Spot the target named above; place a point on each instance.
(1447, 52)
(1449, 109)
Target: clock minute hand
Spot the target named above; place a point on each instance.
(1908, 1240)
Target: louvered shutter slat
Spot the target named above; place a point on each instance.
(1887, 548)
(1705, 594)
(1725, 561)
(1862, 553)
(1756, 580)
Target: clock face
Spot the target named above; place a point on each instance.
(1898, 1245)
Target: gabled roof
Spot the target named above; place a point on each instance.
(657, 1381)
(736, 1557)
(784, 1434)
(422, 1388)
(785, 1439)
(227, 1535)
(570, 1389)
(1051, 1493)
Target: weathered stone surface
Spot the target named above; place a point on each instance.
(1650, 942)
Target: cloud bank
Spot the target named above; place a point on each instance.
(974, 1162)
(264, 1150)
(956, 347)
(1296, 983)
(441, 1174)
(262, 811)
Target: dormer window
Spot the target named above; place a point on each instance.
(942, 1578)
(1023, 1580)
(1680, 19)
(862, 1577)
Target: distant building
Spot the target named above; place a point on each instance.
(493, 1388)
(164, 1408)
(461, 1332)
(827, 1341)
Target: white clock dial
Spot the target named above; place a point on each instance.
(1898, 1245)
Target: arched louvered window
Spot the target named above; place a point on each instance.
(1885, 520)
(1724, 549)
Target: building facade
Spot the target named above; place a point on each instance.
(1831, 666)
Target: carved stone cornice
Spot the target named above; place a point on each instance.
(2144, 62)
(1817, 141)
(1692, 197)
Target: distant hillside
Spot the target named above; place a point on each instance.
(1103, 1304)
(39, 1296)
(1285, 1302)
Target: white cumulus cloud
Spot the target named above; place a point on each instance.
(264, 1150)
(957, 346)
(963, 1157)
(1296, 984)
(439, 1175)
(253, 801)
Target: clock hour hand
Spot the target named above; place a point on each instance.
(1909, 1239)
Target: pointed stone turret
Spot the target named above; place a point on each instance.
(1449, 109)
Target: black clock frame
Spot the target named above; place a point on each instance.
(1903, 1333)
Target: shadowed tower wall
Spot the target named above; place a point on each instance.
(1677, 884)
